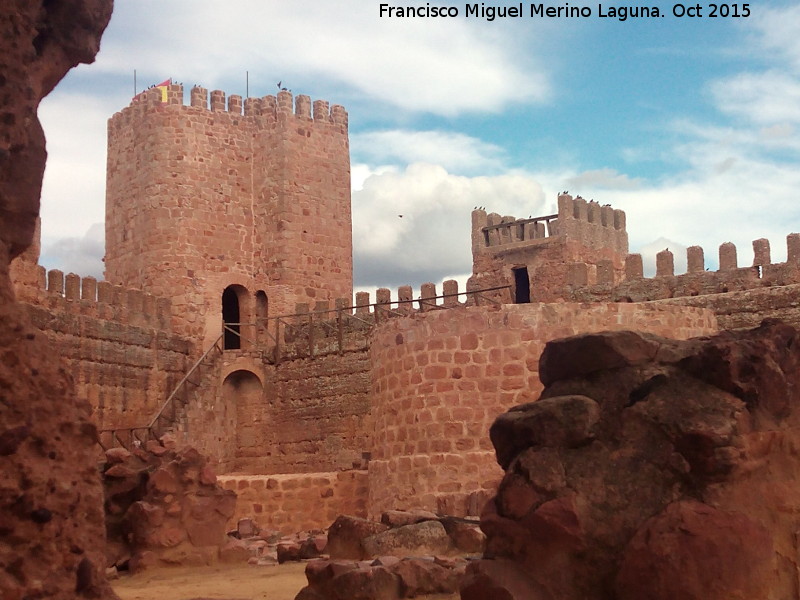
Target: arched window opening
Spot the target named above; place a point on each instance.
(262, 305)
(262, 312)
(230, 319)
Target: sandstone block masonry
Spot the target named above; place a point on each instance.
(531, 255)
(253, 193)
(440, 379)
(117, 343)
(231, 213)
(581, 254)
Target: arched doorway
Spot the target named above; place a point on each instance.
(233, 314)
(243, 399)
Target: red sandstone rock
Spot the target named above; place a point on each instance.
(385, 561)
(39, 43)
(161, 481)
(398, 518)
(207, 475)
(246, 528)
(319, 572)
(465, 535)
(313, 546)
(370, 583)
(757, 368)
(235, 551)
(165, 511)
(562, 421)
(581, 355)
(684, 485)
(418, 577)
(288, 551)
(697, 552)
(153, 447)
(51, 513)
(500, 580)
(346, 533)
(117, 455)
(428, 537)
(308, 593)
(387, 577)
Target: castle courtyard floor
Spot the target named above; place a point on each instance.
(228, 582)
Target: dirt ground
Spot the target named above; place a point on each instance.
(239, 582)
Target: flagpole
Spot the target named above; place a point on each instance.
(247, 84)
(134, 82)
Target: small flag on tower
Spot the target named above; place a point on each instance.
(162, 87)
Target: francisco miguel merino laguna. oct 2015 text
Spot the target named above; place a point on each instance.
(516, 11)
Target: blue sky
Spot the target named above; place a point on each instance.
(692, 126)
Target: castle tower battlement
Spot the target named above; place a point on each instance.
(577, 221)
(539, 256)
(282, 105)
(223, 191)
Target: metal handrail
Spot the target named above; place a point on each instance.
(383, 305)
(341, 313)
(183, 381)
(546, 219)
(152, 425)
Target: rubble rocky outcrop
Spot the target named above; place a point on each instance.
(650, 468)
(405, 555)
(164, 507)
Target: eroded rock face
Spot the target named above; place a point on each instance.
(679, 476)
(39, 42)
(51, 519)
(164, 507)
(51, 502)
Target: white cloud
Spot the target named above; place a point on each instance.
(764, 98)
(738, 183)
(432, 237)
(456, 152)
(776, 30)
(439, 66)
(73, 190)
(602, 178)
(708, 206)
(81, 255)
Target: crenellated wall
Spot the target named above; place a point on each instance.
(771, 286)
(253, 193)
(440, 378)
(243, 206)
(118, 343)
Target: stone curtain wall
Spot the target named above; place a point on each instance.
(315, 418)
(122, 356)
(305, 416)
(747, 308)
(697, 284)
(441, 378)
(200, 198)
(298, 502)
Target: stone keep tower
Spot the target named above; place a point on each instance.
(207, 202)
